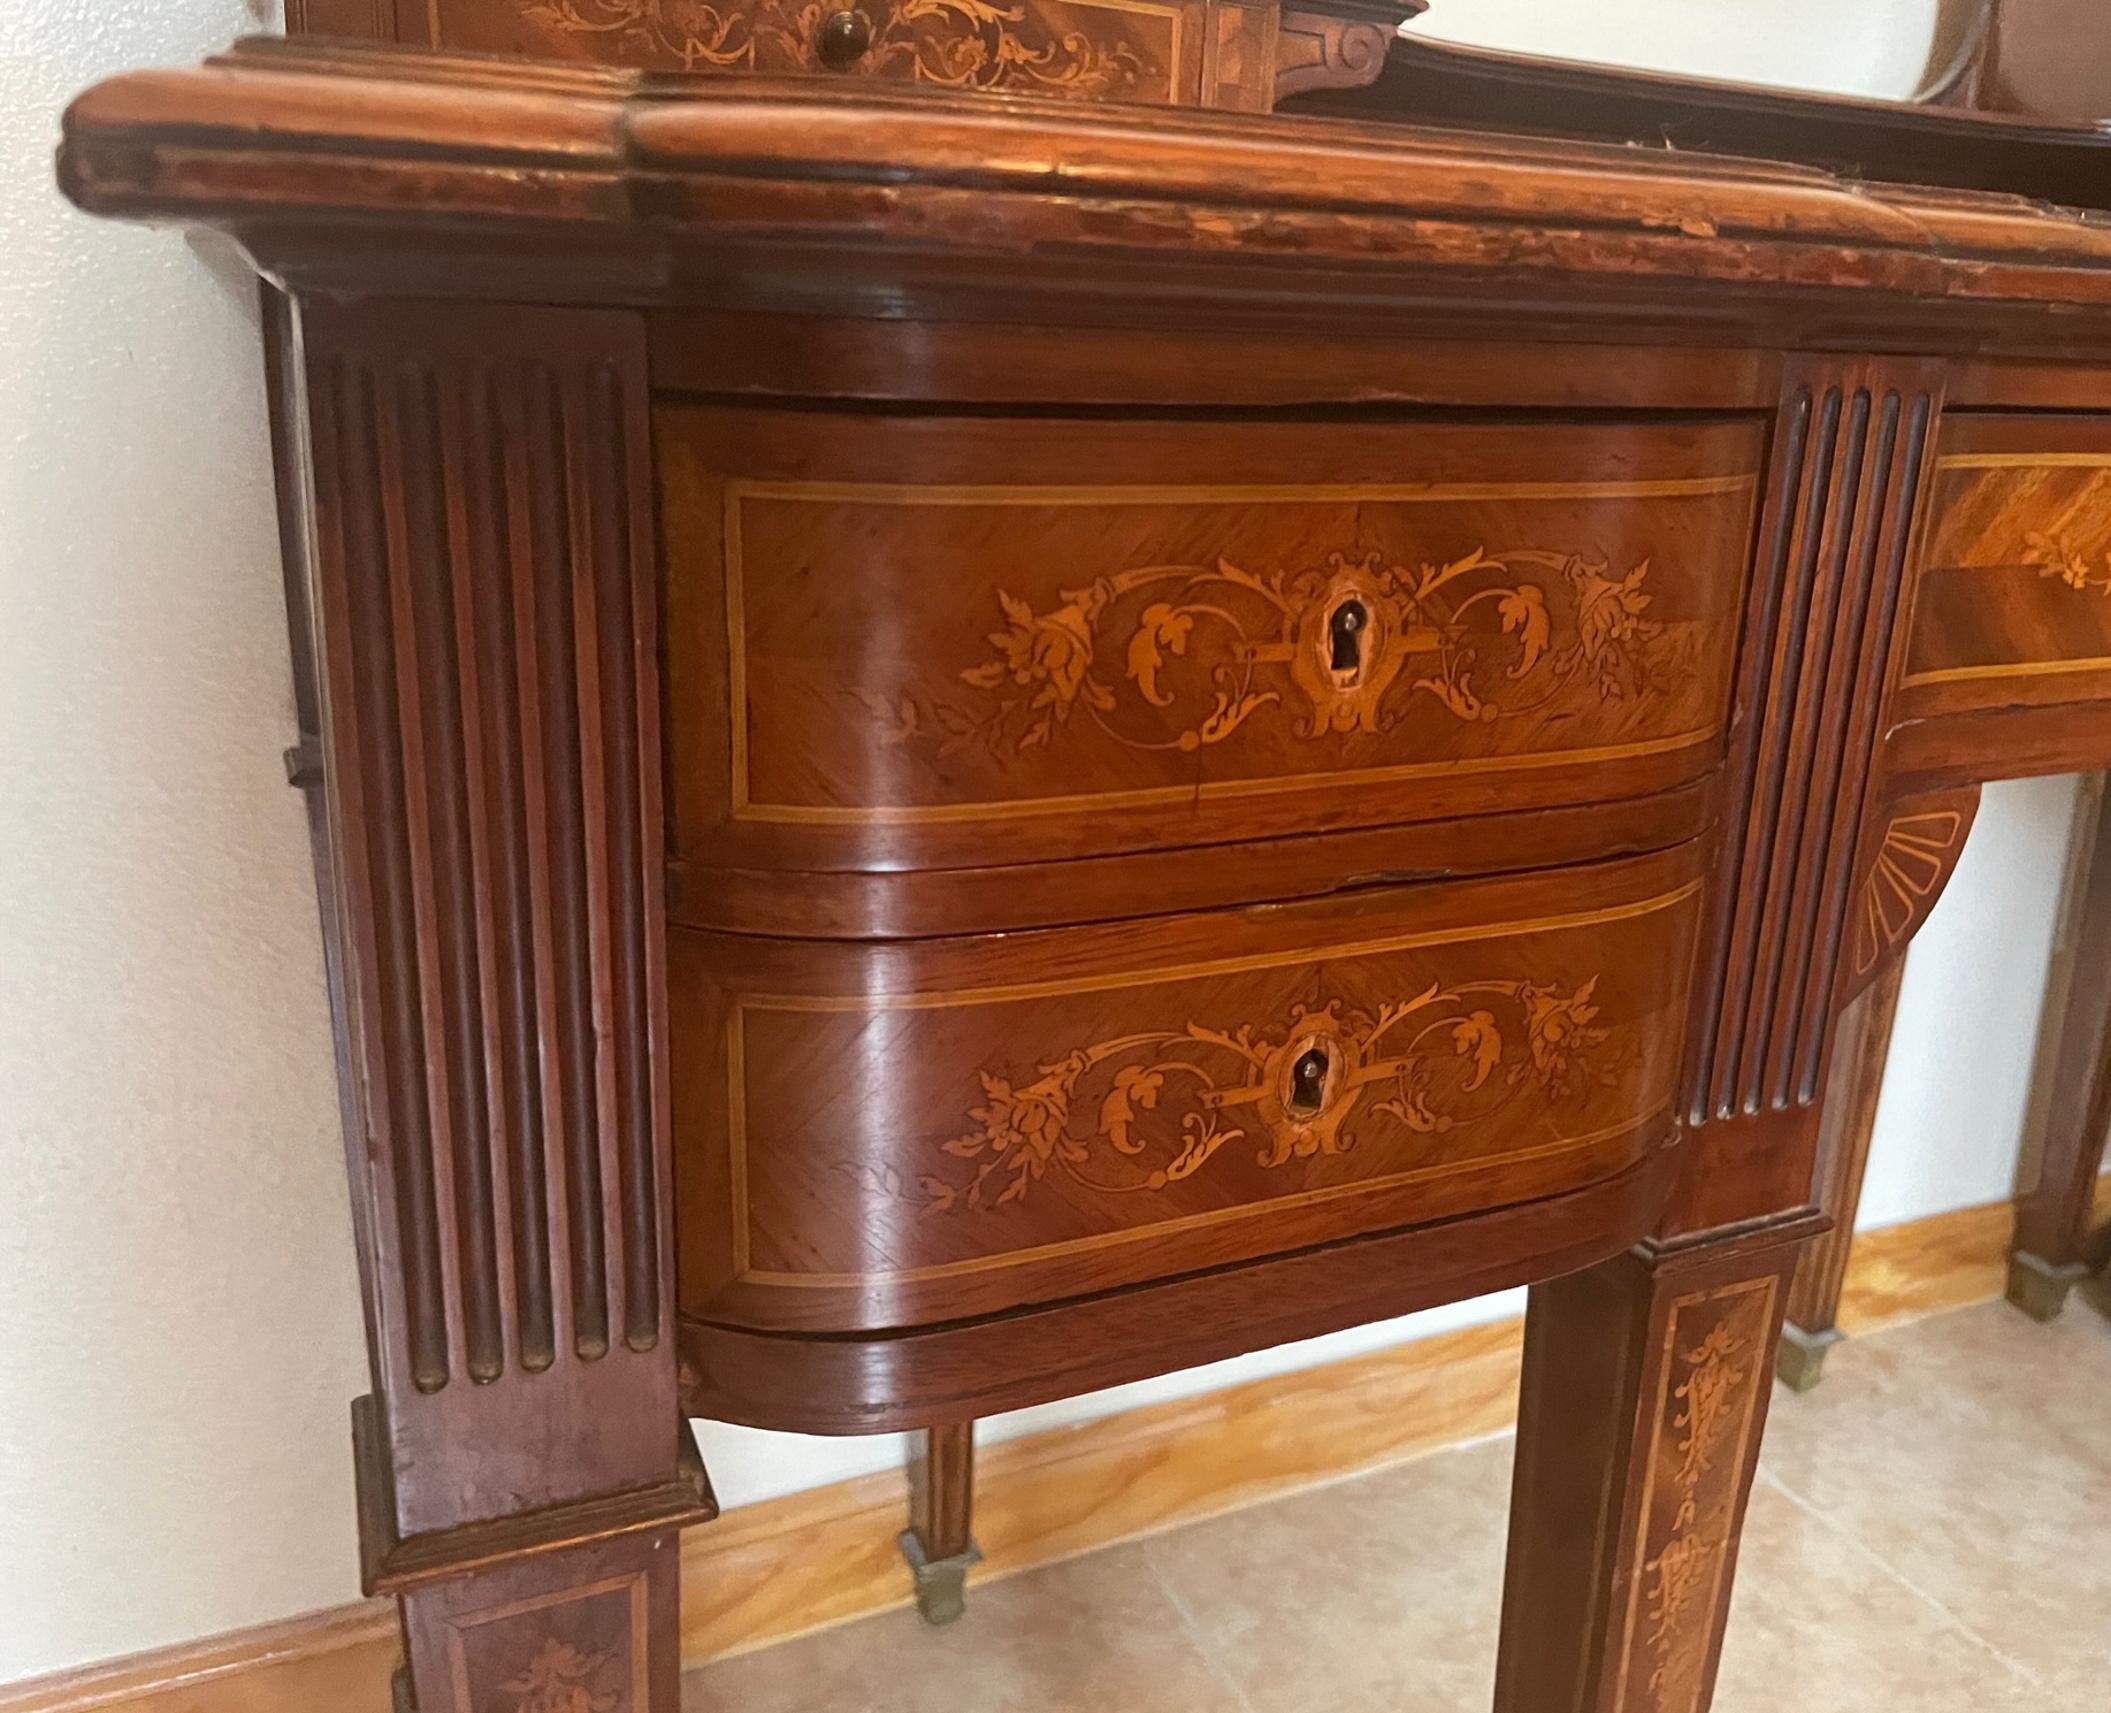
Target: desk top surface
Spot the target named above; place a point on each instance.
(344, 165)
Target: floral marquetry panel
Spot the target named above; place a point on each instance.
(987, 640)
(579, 1631)
(1097, 50)
(1717, 1363)
(1048, 1113)
(2013, 606)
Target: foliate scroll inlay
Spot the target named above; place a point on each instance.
(1715, 1355)
(584, 1648)
(561, 1679)
(963, 44)
(1349, 646)
(1143, 1111)
(2056, 555)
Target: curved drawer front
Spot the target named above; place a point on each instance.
(946, 642)
(1147, 51)
(2012, 607)
(883, 1134)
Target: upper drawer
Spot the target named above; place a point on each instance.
(2013, 601)
(1149, 51)
(935, 642)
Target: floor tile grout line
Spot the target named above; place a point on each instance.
(1194, 1634)
(1817, 1514)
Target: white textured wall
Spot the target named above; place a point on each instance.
(178, 1326)
(1950, 1119)
(178, 1331)
(1855, 47)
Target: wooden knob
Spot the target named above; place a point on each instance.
(845, 37)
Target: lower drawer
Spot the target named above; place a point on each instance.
(886, 1134)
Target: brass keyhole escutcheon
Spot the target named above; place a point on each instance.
(1345, 633)
(1308, 1082)
(845, 37)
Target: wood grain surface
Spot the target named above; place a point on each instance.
(1044, 1115)
(1008, 639)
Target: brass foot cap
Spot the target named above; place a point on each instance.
(941, 1583)
(2038, 1287)
(1800, 1361)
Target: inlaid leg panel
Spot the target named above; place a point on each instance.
(591, 1630)
(1644, 1394)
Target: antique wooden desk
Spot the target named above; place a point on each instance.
(971, 745)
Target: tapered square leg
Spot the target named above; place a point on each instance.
(2057, 1244)
(592, 1629)
(1645, 1391)
(939, 1543)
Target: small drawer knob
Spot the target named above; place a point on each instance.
(845, 38)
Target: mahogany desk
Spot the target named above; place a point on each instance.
(968, 746)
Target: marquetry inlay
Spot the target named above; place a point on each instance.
(585, 1649)
(1714, 1368)
(2017, 574)
(961, 44)
(1912, 862)
(1170, 1099)
(1343, 646)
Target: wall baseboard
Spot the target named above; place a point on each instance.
(767, 1572)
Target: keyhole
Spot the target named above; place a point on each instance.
(1308, 1081)
(1345, 635)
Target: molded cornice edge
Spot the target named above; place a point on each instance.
(336, 164)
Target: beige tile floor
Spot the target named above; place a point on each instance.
(1931, 1533)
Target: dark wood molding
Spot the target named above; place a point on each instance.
(622, 187)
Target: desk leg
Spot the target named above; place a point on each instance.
(939, 1542)
(1645, 1390)
(592, 1627)
(475, 634)
(2052, 1250)
(1862, 1049)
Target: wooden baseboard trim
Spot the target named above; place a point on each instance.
(767, 1572)
(330, 1662)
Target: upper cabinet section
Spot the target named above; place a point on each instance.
(1235, 54)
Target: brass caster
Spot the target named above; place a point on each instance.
(2038, 1287)
(941, 1583)
(1800, 1361)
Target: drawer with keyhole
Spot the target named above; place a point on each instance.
(1013, 640)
